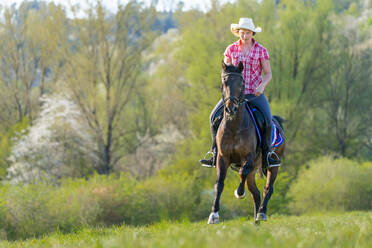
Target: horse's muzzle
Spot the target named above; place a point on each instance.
(231, 105)
(231, 110)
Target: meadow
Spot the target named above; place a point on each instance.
(104, 118)
(351, 229)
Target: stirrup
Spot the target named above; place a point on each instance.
(209, 152)
(211, 158)
(269, 154)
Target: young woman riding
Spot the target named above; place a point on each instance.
(255, 59)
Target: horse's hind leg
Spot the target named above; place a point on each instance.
(255, 193)
(221, 169)
(243, 172)
(268, 191)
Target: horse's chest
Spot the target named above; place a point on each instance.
(233, 144)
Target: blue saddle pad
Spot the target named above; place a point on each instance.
(276, 137)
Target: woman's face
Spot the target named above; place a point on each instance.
(245, 35)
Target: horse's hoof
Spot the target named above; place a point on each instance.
(214, 218)
(239, 196)
(261, 216)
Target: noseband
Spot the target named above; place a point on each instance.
(236, 101)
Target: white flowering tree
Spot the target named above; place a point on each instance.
(56, 145)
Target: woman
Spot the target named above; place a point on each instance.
(255, 59)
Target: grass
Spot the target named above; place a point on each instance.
(351, 229)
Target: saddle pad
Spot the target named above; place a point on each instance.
(276, 137)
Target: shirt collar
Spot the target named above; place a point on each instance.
(239, 42)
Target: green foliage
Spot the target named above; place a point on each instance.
(166, 198)
(332, 184)
(346, 5)
(33, 210)
(33, 47)
(323, 100)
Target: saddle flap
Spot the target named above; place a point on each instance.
(277, 137)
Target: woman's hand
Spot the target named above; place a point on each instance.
(259, 90)
(227, 60)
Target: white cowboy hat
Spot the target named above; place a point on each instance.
(244, 23)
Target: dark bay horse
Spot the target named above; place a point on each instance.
(238, 143)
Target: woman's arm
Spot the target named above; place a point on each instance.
(227, 56)
(267, 77)
(267, 72)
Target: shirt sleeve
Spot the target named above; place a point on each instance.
(227, 52)
(265, 54)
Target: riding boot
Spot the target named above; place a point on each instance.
(211, 162)
(215, 123)
(269, 157)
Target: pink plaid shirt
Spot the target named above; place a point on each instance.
(251, 61)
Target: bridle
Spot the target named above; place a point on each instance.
(235, 100)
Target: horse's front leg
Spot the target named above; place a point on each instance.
(243, 172)
(255, 193)
(221, 168)
(268, 191)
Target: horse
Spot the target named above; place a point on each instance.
(238, 143)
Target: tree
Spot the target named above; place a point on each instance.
(104, 71)
(166, 87)
(346, 99)
(57, 145)
(47, 34)
(30, 53)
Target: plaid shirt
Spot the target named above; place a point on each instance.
(251, 61)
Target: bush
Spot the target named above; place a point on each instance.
(38, 209)
(328, 184)
(33, 210)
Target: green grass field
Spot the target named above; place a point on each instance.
(318, 230)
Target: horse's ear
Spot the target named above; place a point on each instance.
(223, 65)
(240, 66)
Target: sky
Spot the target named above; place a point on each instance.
(112, 4)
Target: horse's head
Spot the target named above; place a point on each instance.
(232, 87)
